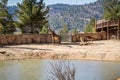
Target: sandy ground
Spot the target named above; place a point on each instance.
(108, 50)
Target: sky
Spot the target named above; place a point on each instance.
(50, 2)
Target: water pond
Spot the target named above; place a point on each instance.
(38, 70)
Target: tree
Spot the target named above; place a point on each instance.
(90, 27)
(111, 9)
(32, 15)
(1, 29)
(64, 30)
(74, 31)
(60, 31)
(6, 20)
(44, 29)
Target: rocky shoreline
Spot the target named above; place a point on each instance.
(98, 50)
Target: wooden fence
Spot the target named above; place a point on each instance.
(106, 23)
(25, 39)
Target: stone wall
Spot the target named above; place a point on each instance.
(94, 36)
(25, 39)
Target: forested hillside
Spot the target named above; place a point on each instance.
(74, 16)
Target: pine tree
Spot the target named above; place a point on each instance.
(6, 19)
(64, 31)
(90, 26)
(44, 29)
(111, 9)
(74, 31)
(32, 15)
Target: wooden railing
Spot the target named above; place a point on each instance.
(107, 24)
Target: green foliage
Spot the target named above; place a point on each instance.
(60, 31)
(111, 9)
(74, 31)
(64, 30)
(6, 19)
(90, 27)
(1, 29)
(44, 30)
(32, 15)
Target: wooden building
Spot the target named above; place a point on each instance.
(112, 28)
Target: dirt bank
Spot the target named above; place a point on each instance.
(98, 50)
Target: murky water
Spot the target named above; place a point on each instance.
(38, 70)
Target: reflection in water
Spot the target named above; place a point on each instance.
(61, 70)
(38, 70)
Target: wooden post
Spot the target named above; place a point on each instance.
(108, 30)
(118, 27)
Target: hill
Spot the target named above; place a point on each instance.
(75, 16)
